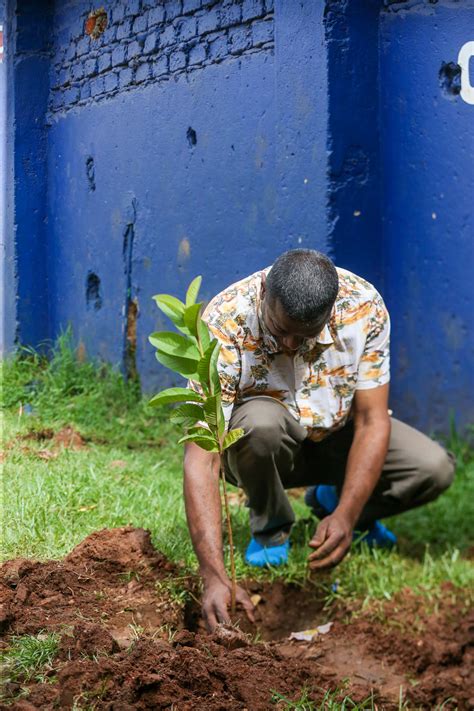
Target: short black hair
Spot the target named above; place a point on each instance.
(305, 282)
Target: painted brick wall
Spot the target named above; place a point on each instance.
(148, 42)
(174, 136)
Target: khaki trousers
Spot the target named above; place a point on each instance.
(276, 455)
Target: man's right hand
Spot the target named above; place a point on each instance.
(216, 602)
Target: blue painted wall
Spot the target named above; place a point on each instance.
(8, 283)
(427, 138)
(3, 177)
(165, 154)
(208, 137)
(355, 227)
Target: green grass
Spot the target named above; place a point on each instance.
(336, 701)
(331, 701)
(130, 472)
(29, 658)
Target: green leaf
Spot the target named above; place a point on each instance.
(191, 318)
(171, 307)
(174, 344)
(220, 421)
(184, 366)
(204, 366)
(201, 431)
(175, 395)
(232, 437)
(203, 334)
(188, 411)
(193, 290)
(211, 407)
(207, 443)
(213, 372)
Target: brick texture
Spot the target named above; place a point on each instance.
(152, 40)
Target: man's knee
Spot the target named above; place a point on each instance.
(437, 471)
(263, 437)
(264, 423)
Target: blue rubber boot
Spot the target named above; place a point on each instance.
(323, 500)
(262, 556)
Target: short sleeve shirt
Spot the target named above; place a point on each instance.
(317, 384)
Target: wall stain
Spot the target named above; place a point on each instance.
(184, 250)
(81, 353)
(131, 303)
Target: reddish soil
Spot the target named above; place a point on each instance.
(128, 642)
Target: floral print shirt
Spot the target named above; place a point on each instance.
(318, 383)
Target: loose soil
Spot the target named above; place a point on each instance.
(131, 638)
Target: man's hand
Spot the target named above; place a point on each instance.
(332, 540)
(216, 603)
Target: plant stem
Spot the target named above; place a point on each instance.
(231, 540)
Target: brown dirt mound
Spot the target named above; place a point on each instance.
(128, 641)
(111, 578)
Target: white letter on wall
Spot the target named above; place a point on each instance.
(467, 89)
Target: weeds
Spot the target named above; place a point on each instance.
(29, 658)
(59, 389)
(177, 588)
(331, 701)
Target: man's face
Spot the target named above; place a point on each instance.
(289, 334)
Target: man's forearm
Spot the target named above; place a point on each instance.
(364, 466)
(203, 510)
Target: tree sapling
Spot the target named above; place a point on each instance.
(194, 354)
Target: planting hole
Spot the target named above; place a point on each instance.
(281, 610)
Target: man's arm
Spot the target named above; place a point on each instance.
(364, 465)
(203, 512)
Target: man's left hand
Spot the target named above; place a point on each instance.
(331, 542)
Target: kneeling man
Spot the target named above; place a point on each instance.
(304, 370)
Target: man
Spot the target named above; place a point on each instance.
(304, 369)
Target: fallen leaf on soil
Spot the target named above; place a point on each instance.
(255, 599)
(324, 629)
(308, 635)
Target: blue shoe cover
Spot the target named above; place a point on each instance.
(322, 499)
(379, 535)
(327, 497)
(261, 556)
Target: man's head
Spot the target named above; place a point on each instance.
(298, 295)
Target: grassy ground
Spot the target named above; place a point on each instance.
(130, 472)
